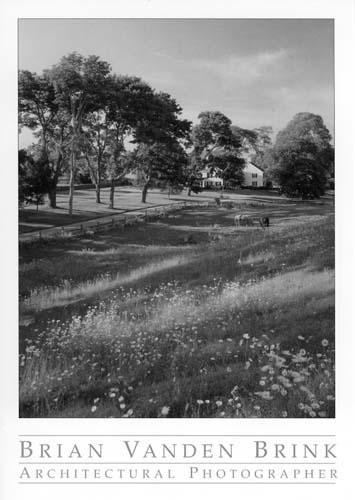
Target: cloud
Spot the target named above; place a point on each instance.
(241, 70)
(249, 68)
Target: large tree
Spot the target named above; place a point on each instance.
(217, 145)
(254, 142)
(303, 156)
(94, 147)
(160, 135)
(37, 106)
(229, 165)
(129, 102)
(80, 86)
(160, 164)
(214, 131)
(39, 111)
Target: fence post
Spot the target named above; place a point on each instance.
(63, 231)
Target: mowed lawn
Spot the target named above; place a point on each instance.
(127, 198)
(185, 316)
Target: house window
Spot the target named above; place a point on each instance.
(254, 176)
(254, 184)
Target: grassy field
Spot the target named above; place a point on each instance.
(182, 317)
(127, 198)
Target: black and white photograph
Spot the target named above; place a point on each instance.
(176, 186)
(176, 255)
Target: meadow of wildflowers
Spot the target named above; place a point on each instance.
(240, 326)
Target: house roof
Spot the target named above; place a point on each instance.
(254, 165)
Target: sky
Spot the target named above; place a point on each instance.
(256, 72)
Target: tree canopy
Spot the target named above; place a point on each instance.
(303, 156)
(80, 86)
(81, 114)
(160, 137)
(34, 176)
(217, 146)
(39, 111)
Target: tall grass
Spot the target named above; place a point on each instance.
(241, 328)
(48, 297)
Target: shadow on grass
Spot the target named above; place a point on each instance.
(30, 220)
(212, 370)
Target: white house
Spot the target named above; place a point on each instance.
(210, 180)
(253, 175)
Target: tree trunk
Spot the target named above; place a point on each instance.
(97, 190)
(189, 191)
(76, 127)
(52, 195)
(98, 183)
(71, 182)
(52, 198)
(144, 193)
(112, 194)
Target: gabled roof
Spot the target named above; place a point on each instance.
(254, 165)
